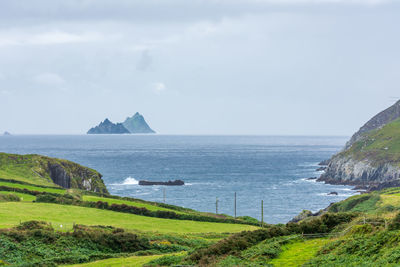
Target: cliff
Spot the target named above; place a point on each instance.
(46, 171)
(379, 120)
(371, 158)
(107, 127)
(137, 124)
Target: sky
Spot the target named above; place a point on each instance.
(262, 67)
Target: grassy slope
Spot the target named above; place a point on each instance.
(33, 188)
(25, 168)
(378, 203)
(298, 253)
(22, 196)
(381, 145)
(12, 212)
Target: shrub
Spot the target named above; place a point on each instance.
(9, 197)
(395, 223)
(166, 261)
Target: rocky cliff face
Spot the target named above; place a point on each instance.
(349, 171)
(68, 174)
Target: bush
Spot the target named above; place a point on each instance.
(35, 243)
(395, 223)
(9, 197)
(166, 261)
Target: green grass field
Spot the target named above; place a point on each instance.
(127, 202)
(135, 261)
(23, 197)
(11, 213)
(298, 253)
(34, 188)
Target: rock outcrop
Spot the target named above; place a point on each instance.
(107, 127)
(137, 124)
(169, 183)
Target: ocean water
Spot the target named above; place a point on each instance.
(269, 168)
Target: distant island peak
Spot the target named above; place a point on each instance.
(132, 125)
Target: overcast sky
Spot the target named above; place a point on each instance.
(293, 67)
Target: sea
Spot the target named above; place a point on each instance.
(272, 170)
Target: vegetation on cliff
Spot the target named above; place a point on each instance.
(46, 171)
(379, 146)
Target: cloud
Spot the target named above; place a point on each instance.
(159, 88)
(25, 11)
(5, 92)
(51, 79)
(47, 38)
(145, 61)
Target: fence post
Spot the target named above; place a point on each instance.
(262, 213)
(164, 194)
(235, 205)
(364, 219)
(385, 224)
(216, 205)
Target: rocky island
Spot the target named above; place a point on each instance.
(132, 125)
(137, 124)
(169, 183)
(371, 158)
(107, 127)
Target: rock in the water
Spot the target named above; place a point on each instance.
(6, 133)
(137, 124)
(321, 169)
(312, 178)
(169, 183)
(107, 127)
(333, 193)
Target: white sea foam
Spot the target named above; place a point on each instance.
(129, 181)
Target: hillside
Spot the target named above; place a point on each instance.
(46, 171)
(45, 225)
(371, 158)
